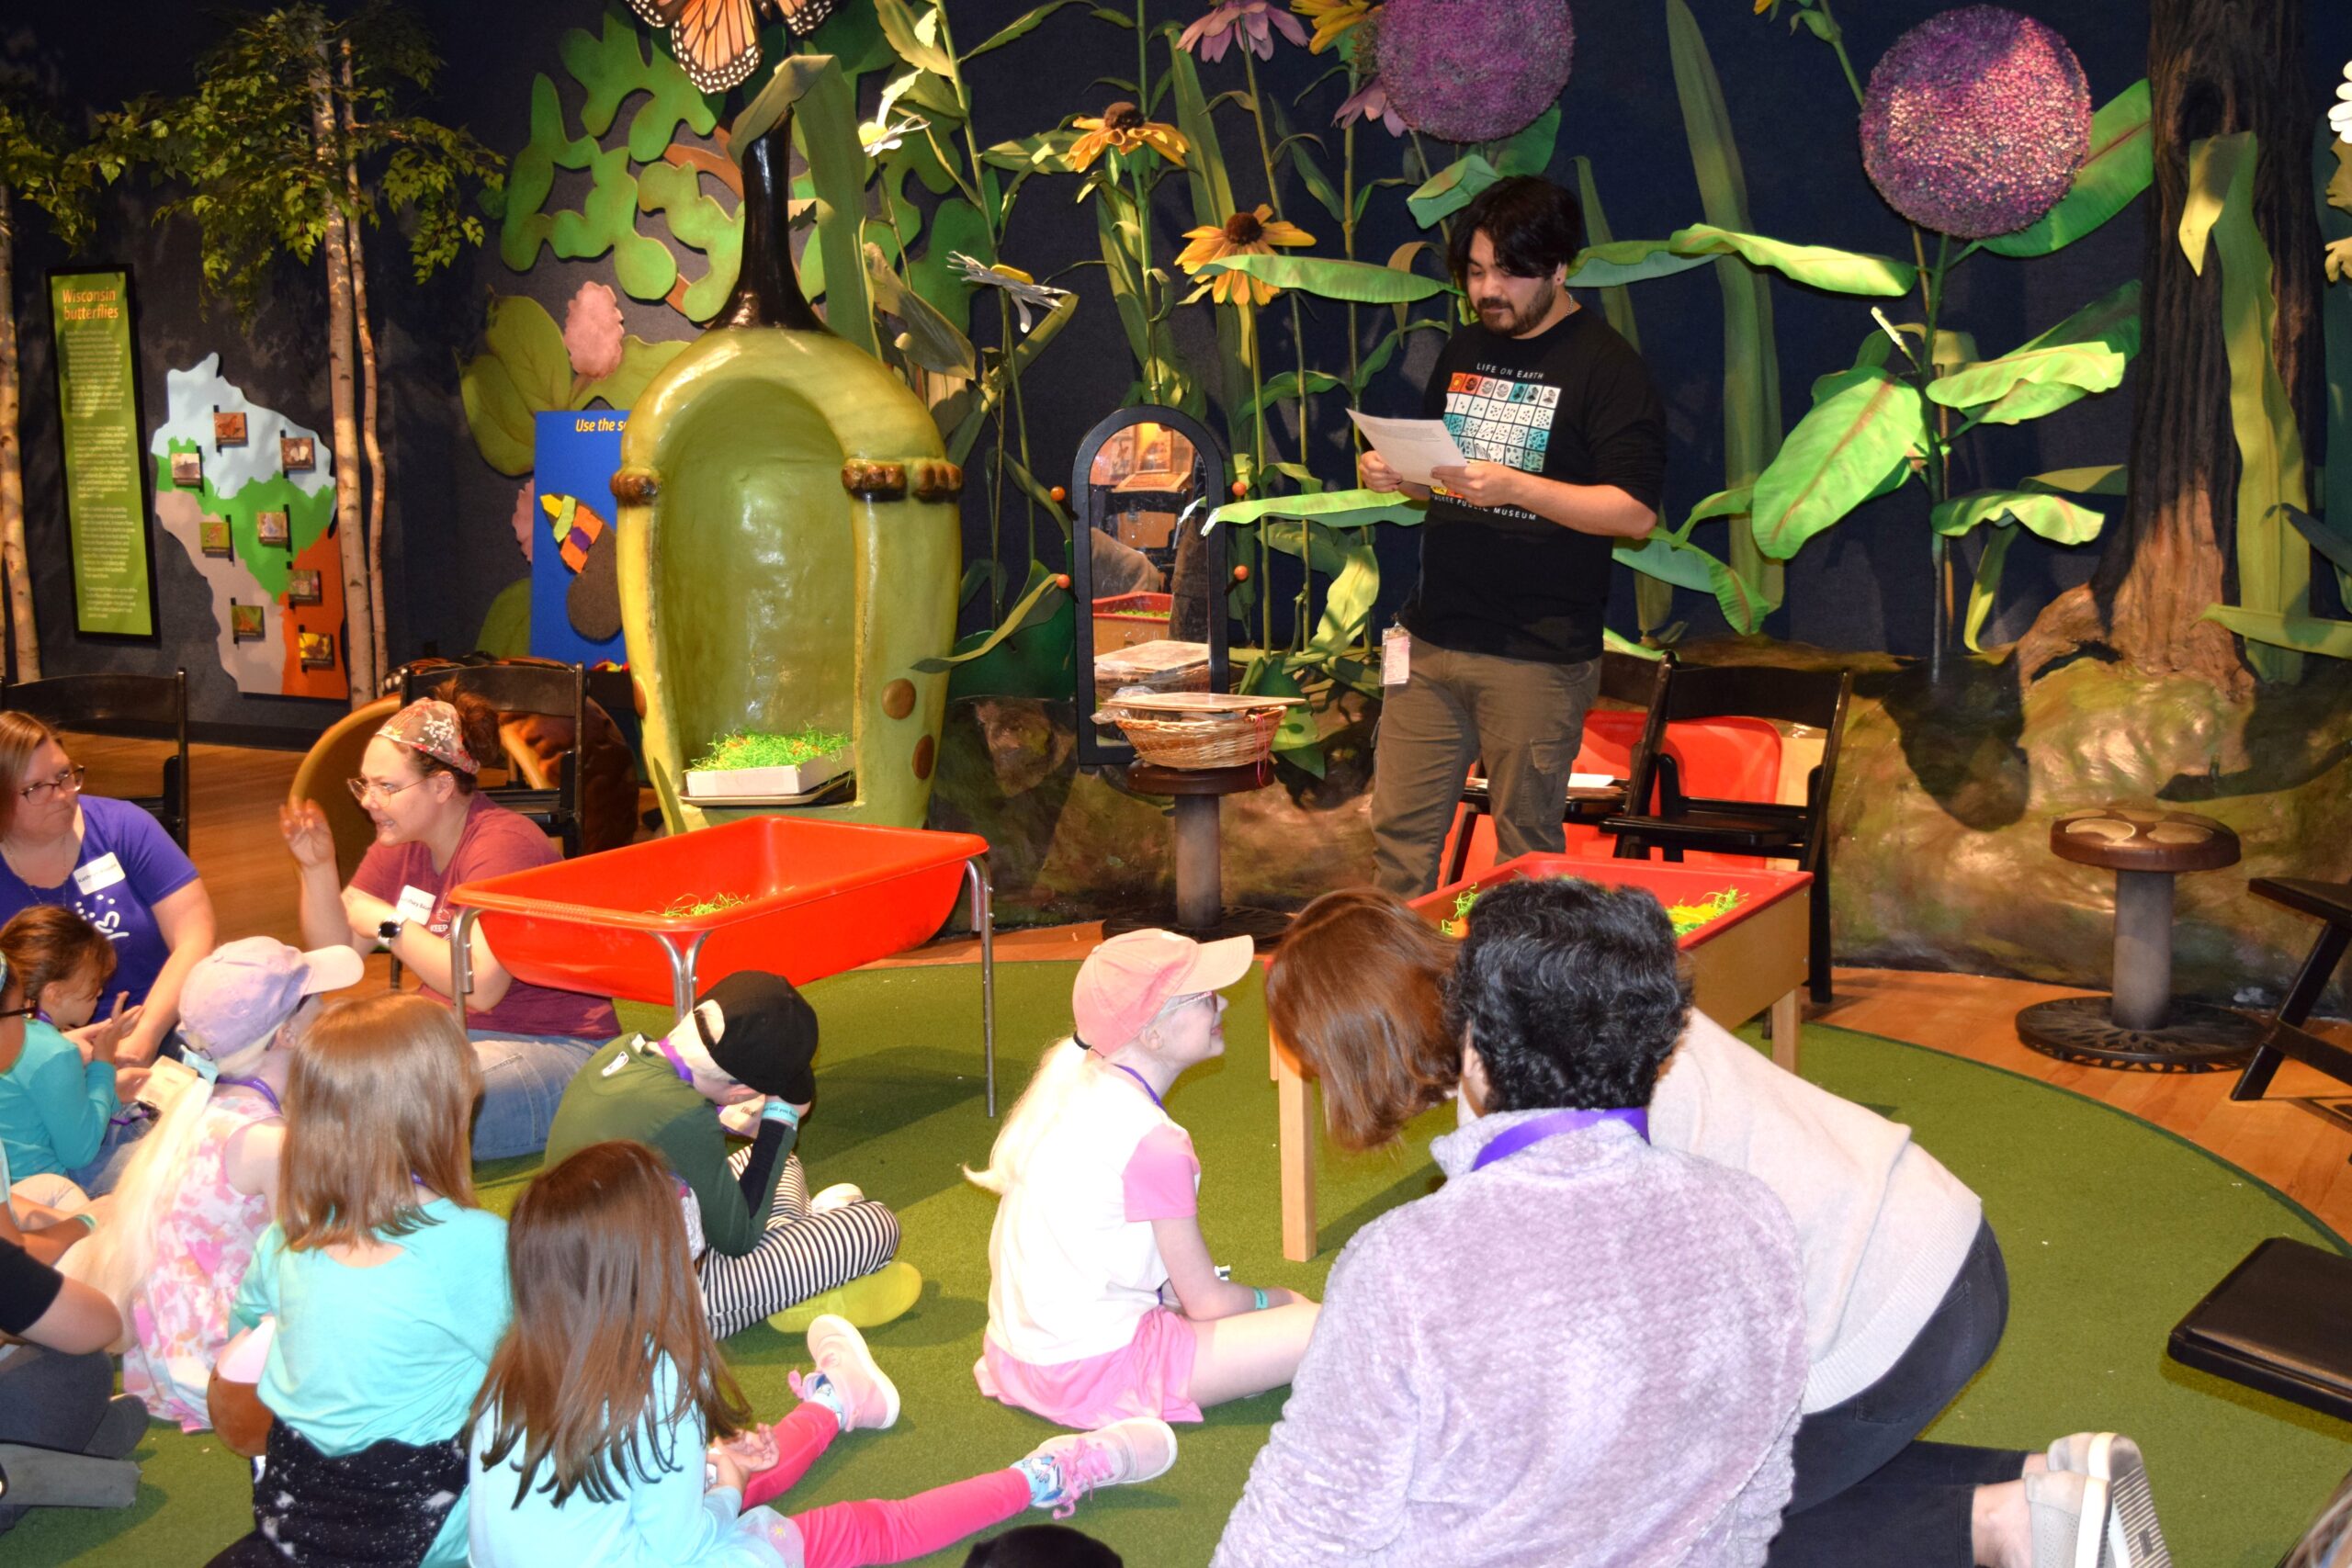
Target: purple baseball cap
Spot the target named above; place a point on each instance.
(238, 994)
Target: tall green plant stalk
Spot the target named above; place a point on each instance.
(1297, 335)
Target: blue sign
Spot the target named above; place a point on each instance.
(575, 552)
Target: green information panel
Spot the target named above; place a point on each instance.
(105, 489)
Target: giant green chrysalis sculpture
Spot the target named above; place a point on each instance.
(791, 543)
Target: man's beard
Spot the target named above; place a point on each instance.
(1516, 322)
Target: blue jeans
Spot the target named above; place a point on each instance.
(1868, 1490)
(522, 1083)
(105, 1167)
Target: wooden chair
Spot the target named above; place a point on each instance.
(556, 690)
(2330, 903)
(1624, 677)
(151, 706)
(1762, 828)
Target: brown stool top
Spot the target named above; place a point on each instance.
(1150, 778)
(2140, 838)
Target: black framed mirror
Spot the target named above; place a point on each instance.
(1149, 577)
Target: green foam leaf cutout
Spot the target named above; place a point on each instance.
(1838, 456)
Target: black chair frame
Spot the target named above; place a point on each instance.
(557, 690)
(1624, 677)
(2330, 903)
(150, 707)
(1768, 828)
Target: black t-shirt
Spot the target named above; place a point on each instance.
(1574, 403)
(28, 1288)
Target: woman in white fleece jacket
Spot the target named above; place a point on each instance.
(1906, 1295)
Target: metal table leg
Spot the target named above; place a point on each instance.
(984, 922)
(682, 989)
(461, 978)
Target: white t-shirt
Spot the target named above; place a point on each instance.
(1072, 1264)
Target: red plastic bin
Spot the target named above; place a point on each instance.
(820, 897)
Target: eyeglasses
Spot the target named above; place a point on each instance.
(362, 788)
(67, 782)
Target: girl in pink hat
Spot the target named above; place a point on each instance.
(1103, 1302)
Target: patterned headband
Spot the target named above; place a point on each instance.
(432, 727)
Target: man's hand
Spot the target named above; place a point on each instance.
(1376, 474)
(1482, 484)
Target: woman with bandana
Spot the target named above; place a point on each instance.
(434, 832)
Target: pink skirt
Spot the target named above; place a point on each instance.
(1151, 1375)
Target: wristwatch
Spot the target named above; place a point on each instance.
(388, 930)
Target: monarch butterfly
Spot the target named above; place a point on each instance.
(719, 40)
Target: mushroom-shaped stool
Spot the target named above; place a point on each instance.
(2143, 1024)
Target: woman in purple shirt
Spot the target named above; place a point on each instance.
(435, 833)
(109, 863)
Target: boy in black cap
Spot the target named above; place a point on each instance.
(768, 1246)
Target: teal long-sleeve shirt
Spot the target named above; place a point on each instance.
(629, 1090)
(53, 1107)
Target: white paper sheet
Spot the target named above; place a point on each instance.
(1412, 446)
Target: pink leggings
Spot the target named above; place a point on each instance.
(851, 1534)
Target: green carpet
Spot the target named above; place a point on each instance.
(2111, 1227)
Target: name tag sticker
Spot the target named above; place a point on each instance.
(102, 871)
(1396, 655)
(416, 904)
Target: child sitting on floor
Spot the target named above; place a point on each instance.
(198, 1192)
(769, 1245)
(1098, 1223)
(61, 1110)
(588, 1446)
(388, 1286)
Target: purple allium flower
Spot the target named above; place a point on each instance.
(1251, 21)
(1473, 70)
(1975, 122)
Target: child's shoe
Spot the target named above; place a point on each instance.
(847, 1382)
(839, 1195)
(2099, 1514)
(869, 1301)
(1062, 1470)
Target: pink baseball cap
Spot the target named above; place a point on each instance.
(1125, 983)
(239, 993)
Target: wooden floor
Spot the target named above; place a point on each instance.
(2284, 1140)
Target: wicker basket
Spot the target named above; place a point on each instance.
(1220, 741)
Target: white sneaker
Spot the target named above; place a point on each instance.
(839, 1195)
(1064, 1469)
(2094, 1509)
(864, 1399)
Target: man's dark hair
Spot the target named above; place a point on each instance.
(1535, 226)
(1042, 1546)
(1573, 994)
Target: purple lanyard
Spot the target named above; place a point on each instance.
(1511, 1140)
(685, 1073)
(1139, 1081)
(260, 1088)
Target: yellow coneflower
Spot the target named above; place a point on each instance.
(1122, 129)
(1332, 19)
(1243, 234)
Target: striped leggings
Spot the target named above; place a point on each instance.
(801, 1254)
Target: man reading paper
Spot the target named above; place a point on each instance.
(1567, 448)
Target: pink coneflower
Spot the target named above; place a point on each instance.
(1361, 43)
(1251, 21)
(1370, 102)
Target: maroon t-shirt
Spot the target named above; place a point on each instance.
(495, 841)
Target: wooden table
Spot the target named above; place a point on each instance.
(1744, 963)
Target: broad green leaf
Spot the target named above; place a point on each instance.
(1840, 271)
(1337, 508)
(1347, 604)
(2107, 478)
(1986, 584)
(2302, 634)
(1667, 558)
(2119, 165)
(1837, 455)
(2059, 520)
(1451, 189)
(2328, 536)
(1041, 153)
(1332, 278)
(1619, 644)
(1732, 502)
(1286, 387)
(1298, 737)
(1528, 151)
(1741, 599)
(1310, 172)
(900, 26)
(1620, 262)
(994, 388)
(525, 339)
(1045, 596)
(931, 340)
(2085, 353)
(506, 431)
(2273, 561)
(1024, 23)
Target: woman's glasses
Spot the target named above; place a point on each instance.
(362, 788)
(66, 783)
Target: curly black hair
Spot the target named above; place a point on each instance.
(1042, 1546)
(1573, 994)
(1537, 227)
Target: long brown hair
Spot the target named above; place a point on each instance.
(1357, 992)
(603, 1291)
(48, 944)
(21, 735)
(380, 1100)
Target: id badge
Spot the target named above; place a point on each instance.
(1396, 655)
(99, 874)
(415, 905)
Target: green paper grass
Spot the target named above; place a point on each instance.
(752, 749)
(1686, 918)
(687, 905)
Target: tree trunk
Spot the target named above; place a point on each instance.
(376, 476)
(2213, 69)
(358, 617)
(12, 463)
